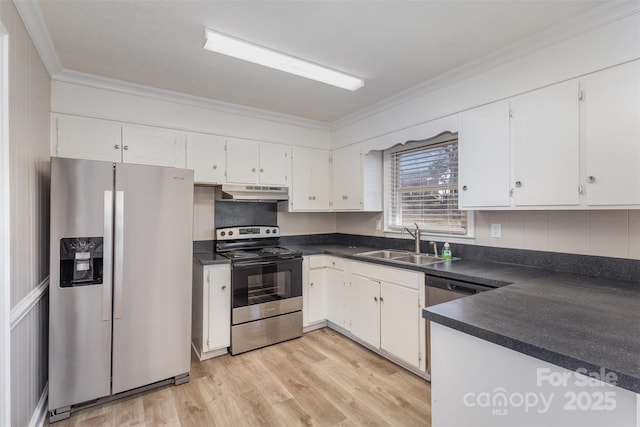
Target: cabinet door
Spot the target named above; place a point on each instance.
(545, 142)
(317, 295)
(335, 297)
(365, 309)
(218, 283)
(484, 156)
(400, 322)
(145, 145)
(612, 137)
(242, 161)
(310, 178)
(90, 139)
(347, 178)
(206, 156)
(275, 164)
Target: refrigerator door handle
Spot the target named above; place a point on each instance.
(107, 255)
(118, 255)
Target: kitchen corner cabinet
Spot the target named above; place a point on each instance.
(310, 180)
(356, 179)
(253, 162)
(612, 136)
(545, 132)
(385, 308)
(207, 157)
(323, 290)
(211, 315)
(94, 139)
(484, 157)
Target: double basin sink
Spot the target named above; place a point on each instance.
(402, 257)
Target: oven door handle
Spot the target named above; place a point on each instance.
(252, 264)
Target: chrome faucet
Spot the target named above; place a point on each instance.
(415, 235)
(435, 248)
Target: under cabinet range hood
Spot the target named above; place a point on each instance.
(255, 192)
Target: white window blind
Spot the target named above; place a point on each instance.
(424, 188)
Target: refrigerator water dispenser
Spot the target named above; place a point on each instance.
(80, 261)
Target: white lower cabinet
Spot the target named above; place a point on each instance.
(211, 315)
(378, 305)
(385, 310)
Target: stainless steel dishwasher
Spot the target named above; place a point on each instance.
(439, 290)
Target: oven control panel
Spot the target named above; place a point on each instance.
(249, 232)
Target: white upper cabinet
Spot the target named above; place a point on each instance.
(90, 139)
(545, 143)
(146, 145)
(483, 144)
(253, 162)
(356, 179)
(612, 136)
(94, 139)
(206, 156)
(275, 164)
(310, 180)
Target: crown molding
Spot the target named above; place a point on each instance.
(121, 86)
(29, 11)
(597, 17)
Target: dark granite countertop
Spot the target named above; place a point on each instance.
(210, 258)
(570, 320)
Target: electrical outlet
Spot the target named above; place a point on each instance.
(496, 230)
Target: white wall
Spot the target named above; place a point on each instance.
(606, 45)
(29, 100)
(613, 233)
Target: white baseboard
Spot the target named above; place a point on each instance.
(40, 414)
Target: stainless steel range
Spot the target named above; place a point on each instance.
(266, 286)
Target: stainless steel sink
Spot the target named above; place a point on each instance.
(385, 254)
(402, 257)
(419, 259)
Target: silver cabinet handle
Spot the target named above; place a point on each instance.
(375, 299)
(215, 166)
(381, 300)
(518, 184)
(313, 197)
(119, 255)
(253, 169)
(117, 146)
(107, 261)
(261, 170)
(311, 284)
(126, 147)
(224, 287)
(464, 188)
(591, 179)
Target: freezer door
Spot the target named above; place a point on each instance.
(152, 274)
(80, 312)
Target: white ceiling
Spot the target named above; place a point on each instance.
(393, 45)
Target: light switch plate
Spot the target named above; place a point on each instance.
(496, 230)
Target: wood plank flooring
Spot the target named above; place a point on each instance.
(321, 379)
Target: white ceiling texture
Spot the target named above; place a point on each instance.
(392, 45)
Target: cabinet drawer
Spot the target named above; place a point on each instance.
(317, 261)
(407, 278)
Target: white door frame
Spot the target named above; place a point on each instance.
(5, 229)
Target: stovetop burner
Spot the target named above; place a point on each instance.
(252, 242)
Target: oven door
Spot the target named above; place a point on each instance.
(265, 289)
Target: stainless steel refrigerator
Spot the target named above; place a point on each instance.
(120, 280)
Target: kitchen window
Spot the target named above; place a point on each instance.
(422, 186)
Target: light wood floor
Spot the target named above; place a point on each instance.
(321, 379)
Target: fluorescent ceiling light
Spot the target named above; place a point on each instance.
(227, 45)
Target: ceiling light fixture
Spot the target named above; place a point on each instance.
(230, 46)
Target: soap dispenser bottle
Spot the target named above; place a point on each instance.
(446, 251)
